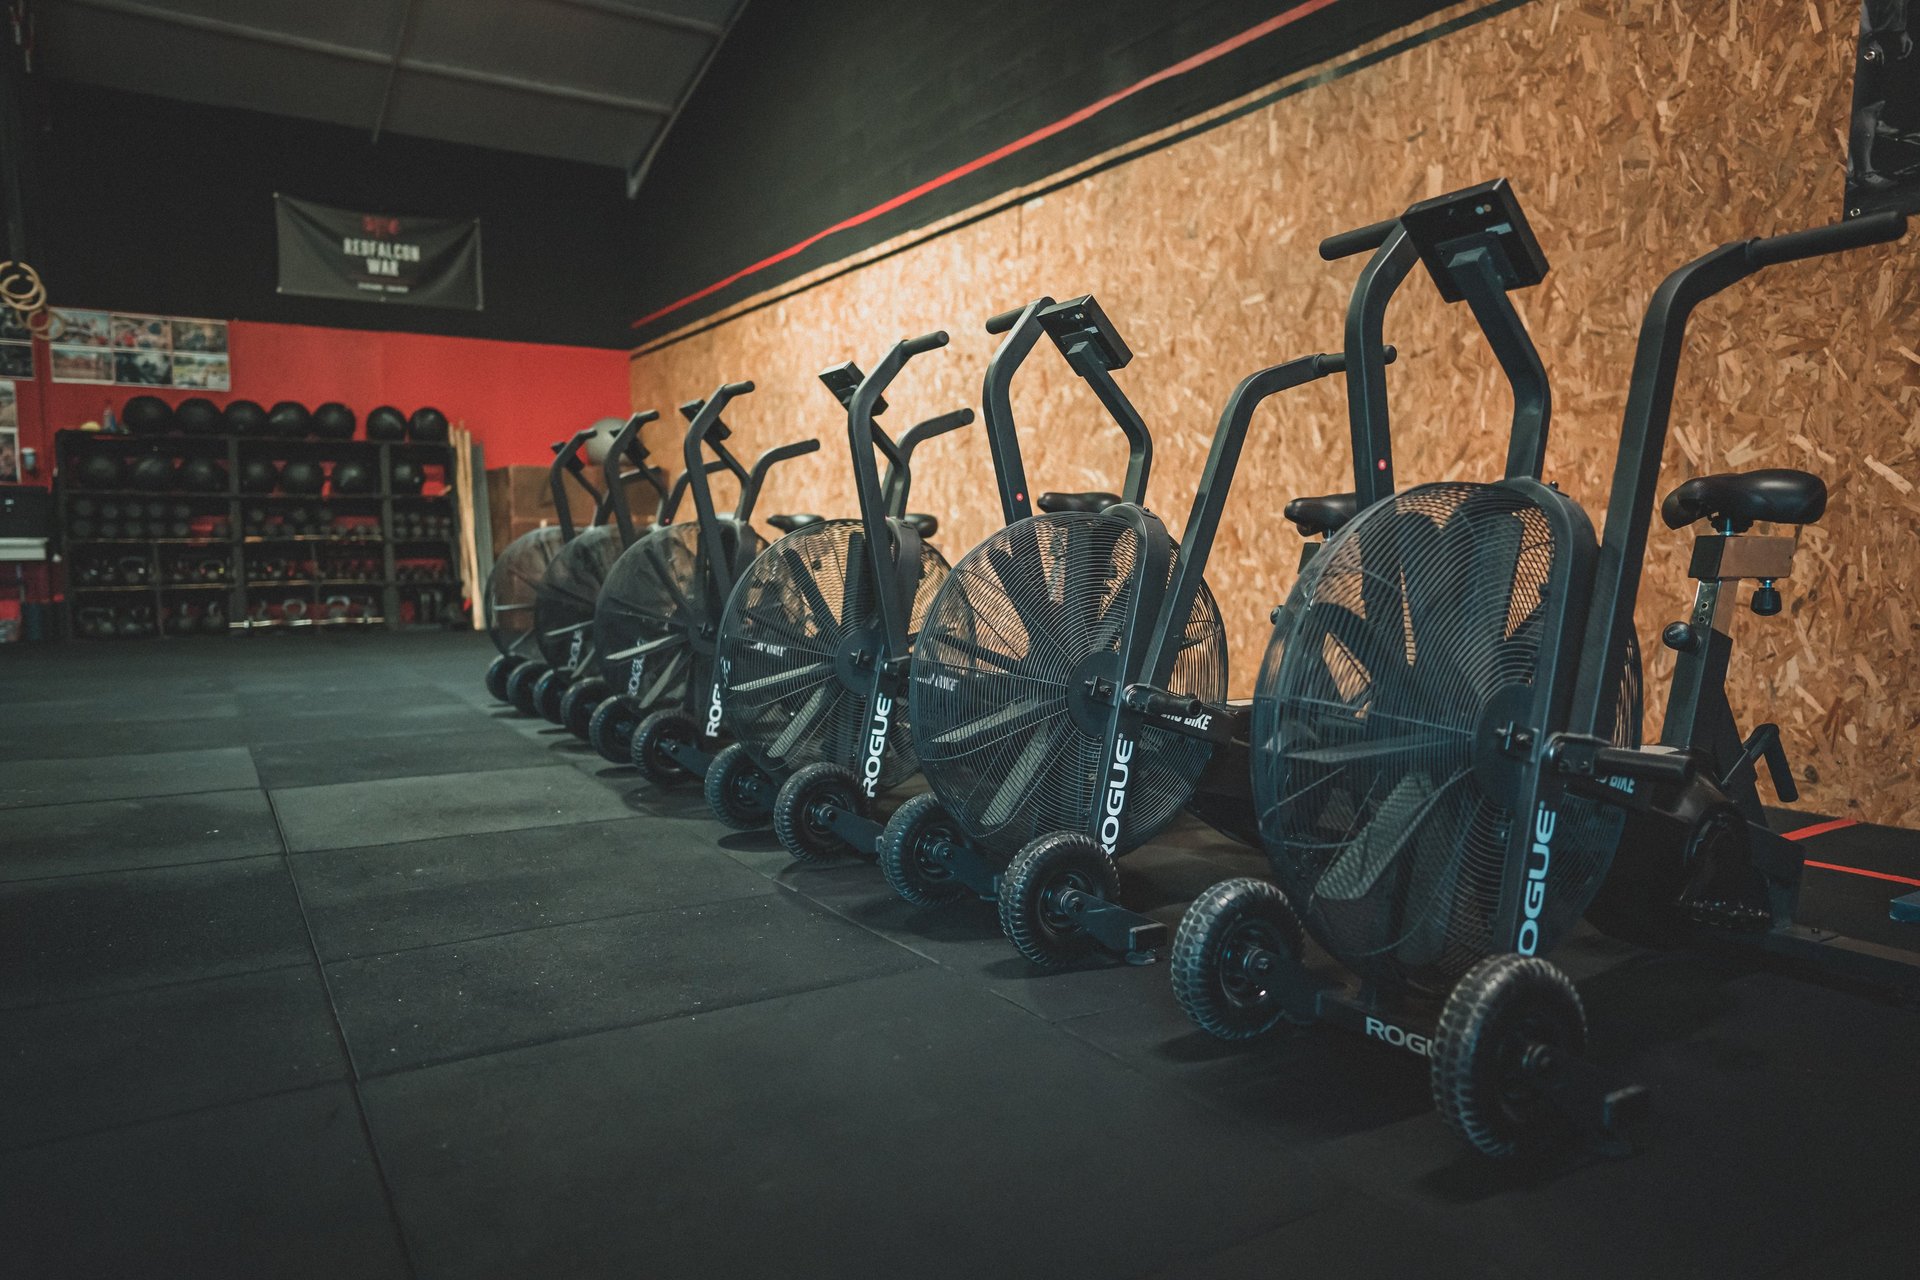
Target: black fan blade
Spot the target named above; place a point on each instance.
(1028, 767)
(803, 581)
(767, 689)
(1014, 717)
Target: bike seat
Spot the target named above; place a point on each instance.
(1774, 494)
(1091, 502)
(921, 523)
(1322, 515)
(788, 523)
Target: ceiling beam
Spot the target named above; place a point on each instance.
(652, 17)
(393, 72)
(637, 171)
(376, 57)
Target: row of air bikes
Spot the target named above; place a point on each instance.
(1443, 757)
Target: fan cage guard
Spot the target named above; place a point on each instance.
(1392, 642)
(788, 617)
(1017, 619)
(654, 590)
(569, 590)
(511, 585)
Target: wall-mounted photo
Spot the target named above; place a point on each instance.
(1883, 144)
(73, 328)
(143, 368)
(16, 360)
(13, 326)
(81, 364)
(200, 335)
(201, 372)
(141, 333)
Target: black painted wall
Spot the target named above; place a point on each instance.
(812, 112)
(146, 204)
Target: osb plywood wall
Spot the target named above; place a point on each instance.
(1638, 133)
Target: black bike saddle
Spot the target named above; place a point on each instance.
(921, 523)
(788, 523)
(1094, 502)
(1775, 494)
(1322, 515)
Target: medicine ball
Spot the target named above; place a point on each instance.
(333, 421)
(198, 416)
(245, 418)
(354, 477)
(156, 510)
(257, 475)
(146, 415)
(408, 477)
(386, 423)
(428, 426)
(80, 528)
(200, 475)
(150, 473)
(289, 420)
(302, 477)
(98, 471)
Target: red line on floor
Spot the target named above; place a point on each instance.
(1821, 828)
(1304, 10)
(1862, 871)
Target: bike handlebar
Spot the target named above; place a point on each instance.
(924, 343)
(1359, 240)
(1855, 233)
(1004, 321)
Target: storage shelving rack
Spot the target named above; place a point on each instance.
(245, 549)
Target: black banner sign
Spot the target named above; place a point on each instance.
(337, 253)
(1883, 151)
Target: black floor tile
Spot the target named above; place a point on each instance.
(160, 773)
(107, 734)
(357, 814)
(127, 930)
(1355, 1239)
(324, 726)
(118, 835)
(437, 1003)
(908, 1126)
(87, 1065)
(365, 757)
(281, 1186)
(365, 901)
(345, 695)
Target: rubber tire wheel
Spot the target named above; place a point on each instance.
(1221, 997)
(822, 781)
(644, 751)
(579, 702)
(732, 767)
(497, 672)
(610, 730)
(913, 876)
(547, 692)
(1503, 1004)
(520, 685)
(1065, 859)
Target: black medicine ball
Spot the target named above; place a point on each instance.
(333, 421)
(146, 415)
(150, 473)
(245, 418)
(408, 477)
(354, 477)
(386, 423)
(198, 416)
(289, 420)
(258, 476)
(428, 426)
(201, 475)
(301, 477)
(98, 471)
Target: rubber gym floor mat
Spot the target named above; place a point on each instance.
(266, 728)
(906, 1126)
(365, 758)
(409, 1008)
(128, 930)
(367, 901)
(281, 1186)
(347, 697)
(357, 814)
(1347, 1239)
(123, 835)
(159, 773)
(96, 730)
(86, 1065)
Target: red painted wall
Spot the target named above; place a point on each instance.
(516, 397)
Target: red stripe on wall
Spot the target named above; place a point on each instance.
(1211, 54)
(1821, 828)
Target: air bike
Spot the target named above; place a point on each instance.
(1068, 685)
(813, 652)
(541, 590)
(674, 593)
(1437, 754)
(627, 626)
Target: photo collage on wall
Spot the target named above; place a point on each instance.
(9, 433)
(1883, 136)
(16, 345)
(140, 351)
